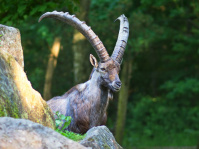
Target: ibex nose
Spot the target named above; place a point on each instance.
(119, 83)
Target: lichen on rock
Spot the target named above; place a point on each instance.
(11, 42)
(100, 138)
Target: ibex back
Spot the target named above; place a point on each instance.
(87, 103)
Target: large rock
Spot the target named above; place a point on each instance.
(10, 41)
(100, 138)
(17, 97)
(24, 134)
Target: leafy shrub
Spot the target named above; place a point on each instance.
(157, 122)
(183, 93)
(62, 122)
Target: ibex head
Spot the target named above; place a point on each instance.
(108, 72)
(108, 67)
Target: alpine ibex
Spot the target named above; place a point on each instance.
(87, 103)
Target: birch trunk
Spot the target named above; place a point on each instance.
(52, 62)
(81, 47)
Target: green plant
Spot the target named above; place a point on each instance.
(62, 122)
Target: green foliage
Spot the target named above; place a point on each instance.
(62, 122)
(26, 9)
(180, 91)
(155, 122)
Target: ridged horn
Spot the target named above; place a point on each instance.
(82, 28)
(121, 40)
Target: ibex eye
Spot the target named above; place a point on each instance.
(103, 69)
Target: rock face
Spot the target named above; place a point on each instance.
(100, 138)
(17, 97)
(24, 134)
(10, 41)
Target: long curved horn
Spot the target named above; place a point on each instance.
(121, 40)
(83, 28)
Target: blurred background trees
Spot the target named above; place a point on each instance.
(162, 53)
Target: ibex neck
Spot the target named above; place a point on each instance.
(99, 92)
(95, 80)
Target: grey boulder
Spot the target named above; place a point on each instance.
(100, 138)
(25, 134)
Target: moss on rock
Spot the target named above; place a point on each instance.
(8, 93)
(17, 97)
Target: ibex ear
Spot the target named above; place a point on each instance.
(93, 61)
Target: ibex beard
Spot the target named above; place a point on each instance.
(87, 103)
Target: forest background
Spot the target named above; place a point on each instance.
(158, 104)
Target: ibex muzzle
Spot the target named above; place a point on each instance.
(87, 103)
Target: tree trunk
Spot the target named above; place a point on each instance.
(122, 101)
(52, 62)
(81, 47)
(197, 145)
